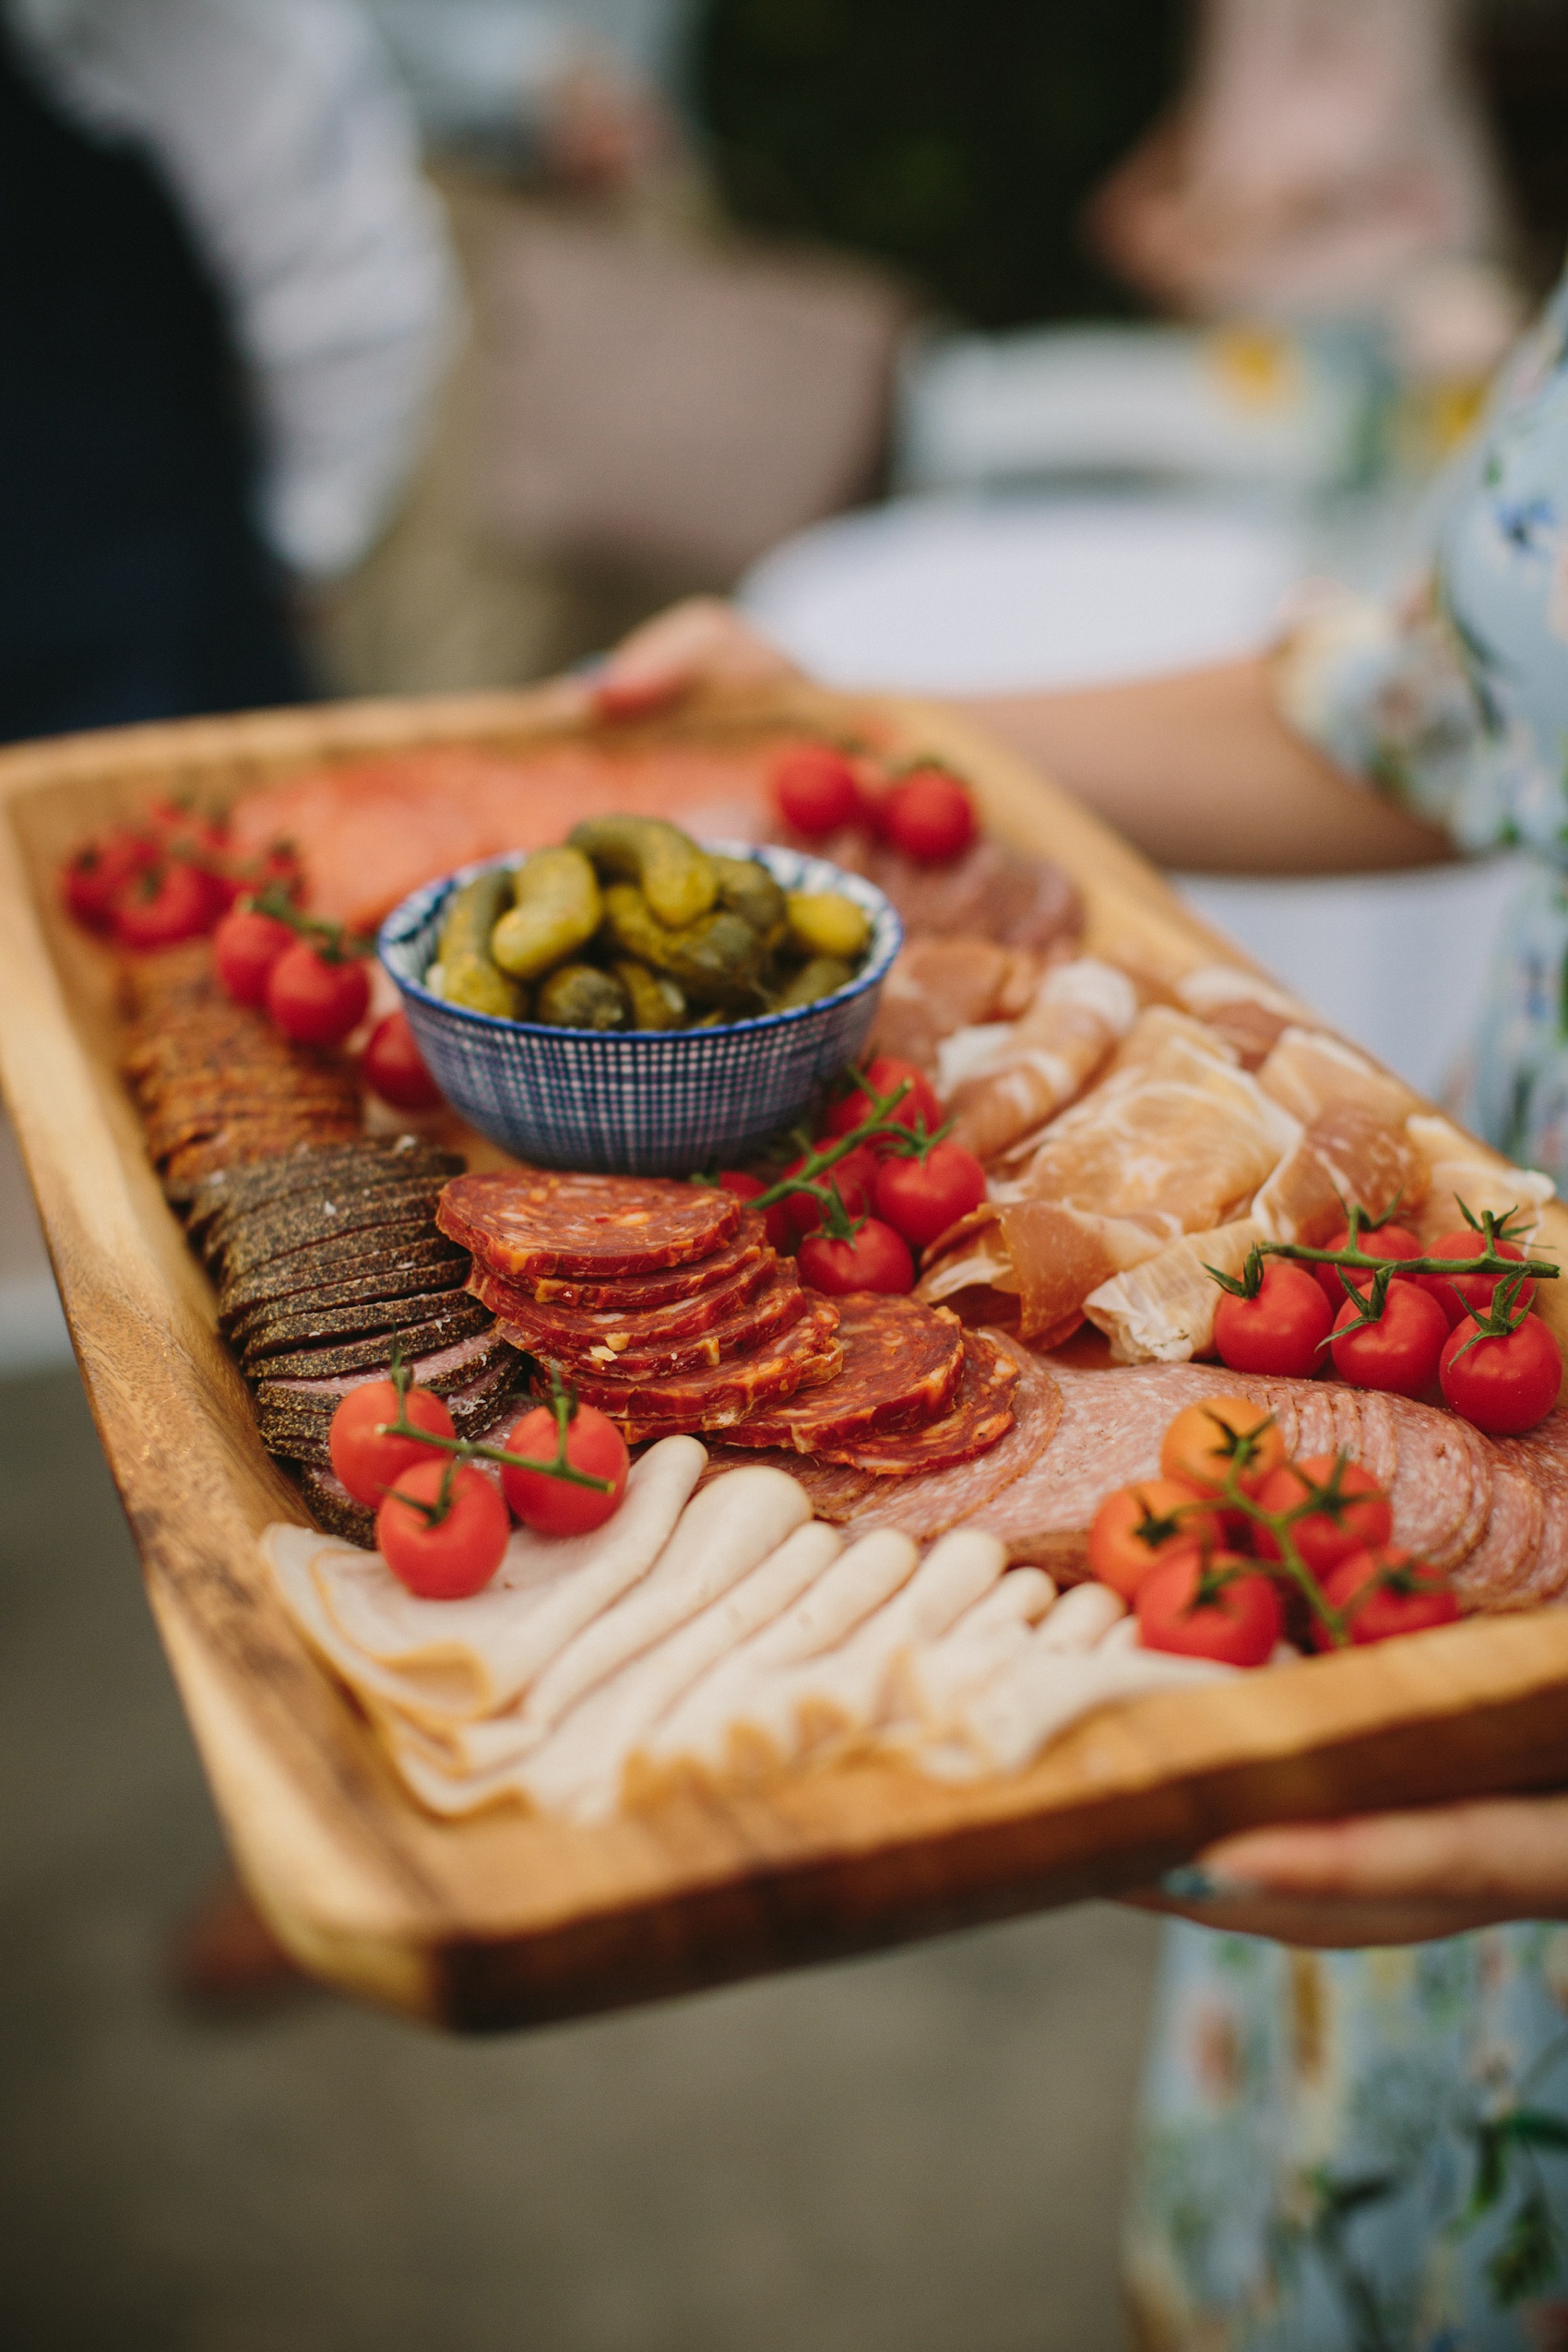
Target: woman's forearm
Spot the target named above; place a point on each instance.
(1200, 771)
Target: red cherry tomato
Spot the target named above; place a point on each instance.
(816, 791)
(780, 1231)
(449, 1558)
(874, 1259)
(1400, 1352)
(1388, 1242)
(1357, 1514)
(1386, 1592)
(1504, 1385)
(1225, 1609)
(553, 1506)
(1205, 1440)
(1462, 1294)
(245, 945)
(1281, 1331)
(314, 1001)
(1141, 1528)
(921, 1198)
(930, 816)
(93, 879)
(394, 1066)
(855, 1175)
(369, 1465)
(885, 1074)
(161, 907)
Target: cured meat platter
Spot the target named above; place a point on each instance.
(499, 1915)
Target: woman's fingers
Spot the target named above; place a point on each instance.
(1382, 1878)
(1507, 1850)
(701, 642)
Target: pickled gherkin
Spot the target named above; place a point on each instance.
(558, 909)
(747, 889)
(469, 975)
(715, 960)
(824, 922)
(657, 1001)
(579, 996)
(676, 878)
(819, 977)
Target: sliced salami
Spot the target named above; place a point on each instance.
(925, 1503)
(525, 1223)
(583, 1329)
(638, 1294)
(902, 1365)
(719, 1395)
(754, 1323)
(1497, 1573)
(979, 1417)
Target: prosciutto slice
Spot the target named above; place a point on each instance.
(1309, 1071)
(936, 986)
(1176, 1139)
(1461, 1170)
(1003, 1083)
(1348, 1153)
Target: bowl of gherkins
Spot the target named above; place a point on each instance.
(636, 1001)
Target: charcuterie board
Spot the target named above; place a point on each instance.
(505, 1919)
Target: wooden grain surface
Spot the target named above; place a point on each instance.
(501, 1919)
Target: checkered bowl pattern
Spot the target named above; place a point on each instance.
(641, 1102)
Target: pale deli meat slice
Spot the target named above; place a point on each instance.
(449, 1660)
(1002, 1085)
(1162, 1312)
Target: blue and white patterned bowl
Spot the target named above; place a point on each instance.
(641, 1102)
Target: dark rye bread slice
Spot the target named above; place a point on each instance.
(382, 1159)
(426, 1265)
(455, 1319)
(246, 1139)
(300, 1224)
(295, 1417)
(355, 1257)
(293, 1325)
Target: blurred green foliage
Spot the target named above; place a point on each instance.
(956, 141)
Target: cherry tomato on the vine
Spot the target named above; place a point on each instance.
(93, 879)
(1205, 1440)
(1140, 1527)
(887, 1072)
(920, 1195)
(1280, 1331)
(245, 945)
(394, 1068)
(1353, 1513)
(855, 1176)
(1387, 1241)
(164, 906)
(1385, 1592)
(816, 791)
(368, 1464)
(776, 1219)
(1399, 1352)
(876, 1258)
(314, 1001)
(555, 1507)
(1224, 1608)
(450, 1556)
(1505, 1383)
(930, 816)
(1467, 1294)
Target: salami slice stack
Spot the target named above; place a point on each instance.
(660, 1302)
(664, 1306)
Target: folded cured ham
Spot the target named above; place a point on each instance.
(938, 986)
(1349, 1152)
(1248, 1013)
(1176, 1139)
(1309, 1072)
(1461, 1170)
(1004, 1083)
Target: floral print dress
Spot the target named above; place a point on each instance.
(1368, 2151)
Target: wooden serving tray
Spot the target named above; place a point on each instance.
(505, 1920)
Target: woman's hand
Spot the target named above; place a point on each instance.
(1382, 1878)
(703, 642)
